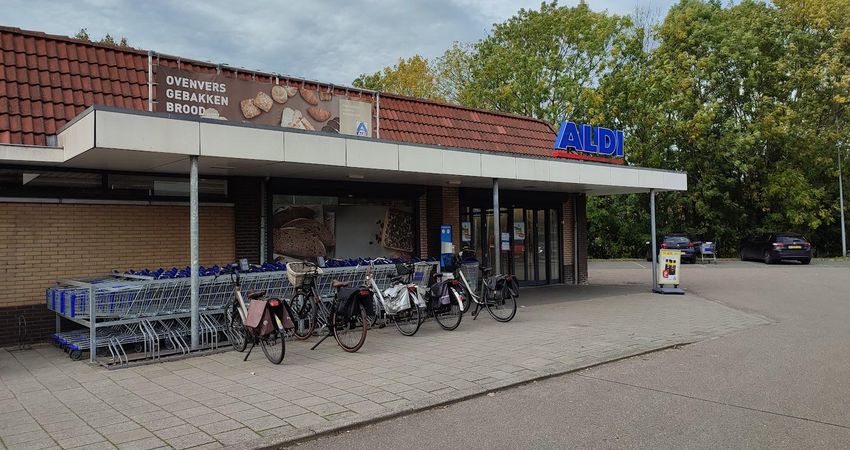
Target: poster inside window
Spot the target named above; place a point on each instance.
(309, 227)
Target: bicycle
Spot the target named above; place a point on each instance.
(444, 301)
(496, 293)
(346, 317)
(263, 321)
(401, 301)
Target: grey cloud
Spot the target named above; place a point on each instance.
(328, 40)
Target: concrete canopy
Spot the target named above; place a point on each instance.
(127, 140)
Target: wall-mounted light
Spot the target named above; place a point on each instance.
(453, 182)
(356, 176)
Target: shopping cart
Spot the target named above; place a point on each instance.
(707, 252)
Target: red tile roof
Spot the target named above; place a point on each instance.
(46, 80)
(425, 122)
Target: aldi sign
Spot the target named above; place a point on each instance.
(588, 139)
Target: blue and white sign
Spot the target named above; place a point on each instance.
(446, 247)
(362, 129)
(589, 139)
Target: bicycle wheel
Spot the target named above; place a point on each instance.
(502, 310)
(409, 320)
(236, 330)
(274, 346)
(466, 299)
(449, 316)
(305, 310)
(350, 334)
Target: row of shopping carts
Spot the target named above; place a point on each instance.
(129, 317)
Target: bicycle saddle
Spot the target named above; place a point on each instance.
(253, 295)
(336, 284)
(486, 270)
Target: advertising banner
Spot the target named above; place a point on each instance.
(668, 267)
(215, 96)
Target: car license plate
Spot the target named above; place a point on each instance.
(795, 247)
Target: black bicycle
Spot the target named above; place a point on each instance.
(347, 316)
(444, 301)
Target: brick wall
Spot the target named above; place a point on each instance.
(451, 212)
(568, 240)
(40, 242)
(423, 225)
(581, 216)
(246, 193)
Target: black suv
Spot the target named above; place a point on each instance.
(775, 247)
(675, 241)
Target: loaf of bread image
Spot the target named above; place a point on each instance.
(291, 91)
(290, 213)
(398, 231)
(249, 110)
(319, 114)
(291, 118)
(306, 125)
(315, 228)
(297, 242)
(332, 126)
(211, 113)
(309, 96)
(279, 94)
(263, 101)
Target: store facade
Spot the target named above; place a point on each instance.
(96, 144)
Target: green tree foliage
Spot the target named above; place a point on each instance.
(411, 77)
(751, 99)
(546, 63)
(107, 39)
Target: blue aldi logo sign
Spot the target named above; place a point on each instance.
(588, 139)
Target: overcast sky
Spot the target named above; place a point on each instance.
(326, 40)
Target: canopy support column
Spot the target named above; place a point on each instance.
(497, 235)
(654, 248)
(193, 248)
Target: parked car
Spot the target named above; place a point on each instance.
(775, 247)
(675, 241)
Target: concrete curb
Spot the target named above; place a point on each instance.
(292, 437)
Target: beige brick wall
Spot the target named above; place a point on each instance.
(40, 242)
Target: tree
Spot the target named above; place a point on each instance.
(545, 63)
(750, 99)
(411, 77)
(107, 39)
(453, 72)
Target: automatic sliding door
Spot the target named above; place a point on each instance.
(518, 244)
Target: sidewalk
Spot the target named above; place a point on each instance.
(49, 401)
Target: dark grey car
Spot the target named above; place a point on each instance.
(675, 241)
(775, 247)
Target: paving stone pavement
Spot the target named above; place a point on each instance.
(49, 401)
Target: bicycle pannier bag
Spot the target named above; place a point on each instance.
(396, 299)
(259, 321)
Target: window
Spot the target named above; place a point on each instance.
(159, 186)
(34, 179)
(306, 226)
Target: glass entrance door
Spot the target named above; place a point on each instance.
(529, 244)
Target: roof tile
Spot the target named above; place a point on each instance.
(62, 76)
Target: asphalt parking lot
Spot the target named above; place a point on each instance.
(781, 385)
